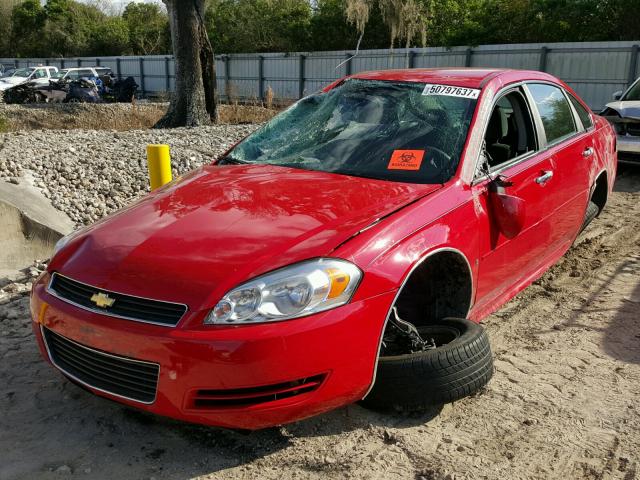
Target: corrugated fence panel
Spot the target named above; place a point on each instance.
(440, 59)
(593, 74)
(594, 69)
(243, 77)
(521, 59)
(320, 70)
(281, 74)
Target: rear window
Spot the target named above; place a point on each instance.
(554, 109)
(583, 114)
(366, 128)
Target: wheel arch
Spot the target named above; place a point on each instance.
(422, 261)
(600, 190)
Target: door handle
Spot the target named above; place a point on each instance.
(545, 177)
(587, 152)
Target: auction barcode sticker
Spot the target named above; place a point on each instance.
(450, 91)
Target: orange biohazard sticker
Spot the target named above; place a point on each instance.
(406, 160)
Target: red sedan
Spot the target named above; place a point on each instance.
(344, 251)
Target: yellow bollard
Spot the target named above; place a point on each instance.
(159, 163)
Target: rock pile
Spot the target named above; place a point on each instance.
(18, 285)
(88, 174)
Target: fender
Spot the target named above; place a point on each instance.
(407, 275)
(387, 251)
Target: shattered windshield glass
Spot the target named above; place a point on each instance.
(375, 129)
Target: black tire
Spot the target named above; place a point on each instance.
(447, 373)
(590, 214)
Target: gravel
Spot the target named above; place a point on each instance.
(88, 173)
(18, 285)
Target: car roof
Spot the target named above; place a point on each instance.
(461, 77)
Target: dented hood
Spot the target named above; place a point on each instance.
(624, 109)
(195, 239)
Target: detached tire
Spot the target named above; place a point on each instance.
(444, 374)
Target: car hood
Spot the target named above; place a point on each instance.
(196, 238)
(626, 109)
(7, 85)
(12, 80)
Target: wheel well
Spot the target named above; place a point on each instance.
(437, 288)
(601, 191)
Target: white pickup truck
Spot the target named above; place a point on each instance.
(36, 75)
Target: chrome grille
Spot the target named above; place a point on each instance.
(124, 306)
(121, 376)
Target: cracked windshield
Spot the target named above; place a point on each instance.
(375, 129)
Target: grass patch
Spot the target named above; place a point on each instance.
(121, 117)
(235, 113)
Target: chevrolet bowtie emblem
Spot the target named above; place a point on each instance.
(102, 300)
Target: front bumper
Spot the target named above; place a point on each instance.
(339, 346)
(628, 148)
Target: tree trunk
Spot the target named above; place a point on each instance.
(194, 100)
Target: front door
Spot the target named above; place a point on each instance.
(512, 151)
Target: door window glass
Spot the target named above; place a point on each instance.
(556, 115)
(510, 132)
(585, 118)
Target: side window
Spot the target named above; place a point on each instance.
(40, 73)
(510, 132)
(86, 72)
(554, 109)
(583, 114)
(73, 74)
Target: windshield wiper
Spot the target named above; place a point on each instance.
(229, 160)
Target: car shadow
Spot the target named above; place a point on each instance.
(627, 179)
(356, 417)
(621, 336)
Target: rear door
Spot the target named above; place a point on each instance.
(570, 147)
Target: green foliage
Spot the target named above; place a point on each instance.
(330, 30)
(148, 29)
(27, 20)
(111, 37)
(65, 28)
(259, 25)
(52, 28)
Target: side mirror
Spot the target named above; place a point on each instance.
(617, 95)
(508, 211)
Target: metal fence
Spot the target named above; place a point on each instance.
(593, 69)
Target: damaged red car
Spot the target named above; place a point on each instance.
(345, 251)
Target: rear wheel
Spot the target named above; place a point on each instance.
(460, 364)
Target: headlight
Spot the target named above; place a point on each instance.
(291, 292)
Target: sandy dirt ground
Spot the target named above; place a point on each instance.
(564, 401)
